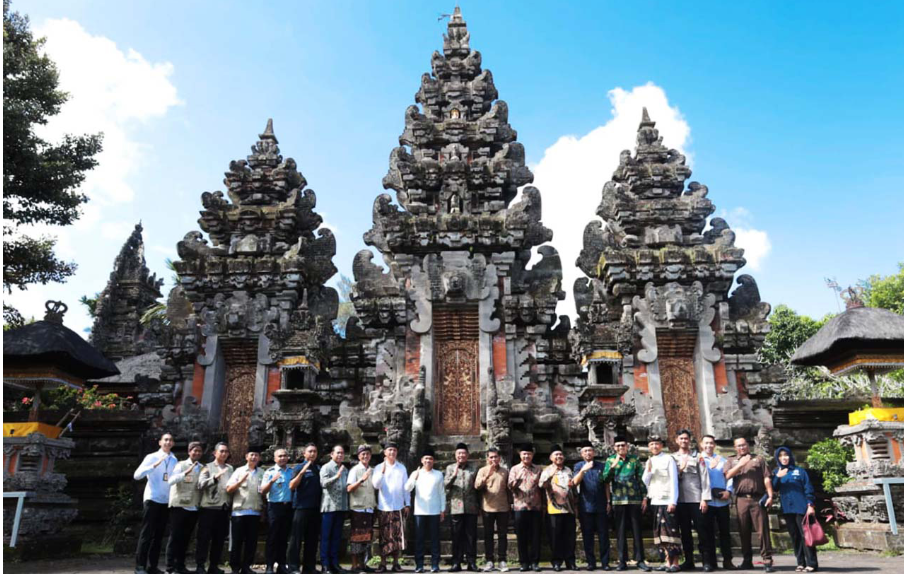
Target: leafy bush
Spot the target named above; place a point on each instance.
(829, 458)
(64, 398)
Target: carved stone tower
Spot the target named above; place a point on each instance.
(655, 311)
(130, 291)
(458, 313)
(258, 304)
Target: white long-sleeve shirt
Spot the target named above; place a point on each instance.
(391, 486)
(157, 488)
(662, 480)
(429, 492)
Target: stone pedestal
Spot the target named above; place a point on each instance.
(28, 466)
(879, 451)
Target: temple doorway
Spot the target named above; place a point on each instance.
(678, 380)
(238, 399)
(456, 379)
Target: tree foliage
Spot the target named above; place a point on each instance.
(788, 331)
(885, 292)
(829, 458)
(40, 179)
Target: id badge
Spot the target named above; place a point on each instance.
(187, 477)
(165, 476)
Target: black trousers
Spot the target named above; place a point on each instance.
(150, 538)
(595, 525)
(562, 538)
(305, 531)
(213, 527)
(464, 538)
(625, 515)
(244, 541)
(497, 521)
(424, 526)
(279, 522)
(182, 524)
(527, 529)
(718, 517)
(689, 513)
(806, 555)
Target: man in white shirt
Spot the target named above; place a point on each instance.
(661, 478)
(389, 479)
(157, 468)
(429, 509)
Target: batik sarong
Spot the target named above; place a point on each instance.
(392, 532)
(362, 524)
(665, 530)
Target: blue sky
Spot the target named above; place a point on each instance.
(791, 114)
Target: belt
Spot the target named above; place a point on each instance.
(756, 496)
(279, 502)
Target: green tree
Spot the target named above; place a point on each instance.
(788, 331)
(90, 304)
(40, 179)
(885, 292)
(829, 458)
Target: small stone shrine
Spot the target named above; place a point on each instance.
(37, 357)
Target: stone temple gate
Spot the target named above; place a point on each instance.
(455, 336)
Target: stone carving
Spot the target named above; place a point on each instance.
(118, 332)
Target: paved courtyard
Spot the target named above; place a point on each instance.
(837, 561)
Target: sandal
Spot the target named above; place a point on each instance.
(800, 569)
(809, 569)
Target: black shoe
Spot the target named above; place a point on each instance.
(268, 571)
(140, 570)
(643, 566)
(336, 568)
(606, 568)
(537, 567)
(419, 570)
(556, 567)
(525, 568)
(746, 565)
(472, 567)
(621, 567)
(571, 566)
(727, 565)
(687, 566)
(707, 568)
(591, 567)
(767, 567)
(395, 567)
(455, 568)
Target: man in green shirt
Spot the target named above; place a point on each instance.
(623, 475)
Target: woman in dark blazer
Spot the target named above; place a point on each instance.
(798, 499)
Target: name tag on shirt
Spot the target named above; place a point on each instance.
(165, 476)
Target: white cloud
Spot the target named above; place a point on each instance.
(109, 91)
(117, 92)
(573, 170)
(754, 242)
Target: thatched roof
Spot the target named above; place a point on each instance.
(51, 344)
(857, 329)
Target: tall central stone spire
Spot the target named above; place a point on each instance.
(458, 311)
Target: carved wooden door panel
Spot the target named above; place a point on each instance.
(679, 395)
(238, 406)
(456, 382)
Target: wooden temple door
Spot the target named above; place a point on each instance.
(679, 387)
(238, 400)
(455, 374)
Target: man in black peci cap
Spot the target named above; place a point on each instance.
(463, 504)
(556, 480)
(527, 504)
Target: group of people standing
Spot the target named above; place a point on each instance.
(307, 505)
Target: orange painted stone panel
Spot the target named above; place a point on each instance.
(641, 379)
(412, 353)
(721, 377)
(197, 382)
(272, 382)
(500, 368)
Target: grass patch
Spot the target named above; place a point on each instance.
(890, 553)
(96, 547)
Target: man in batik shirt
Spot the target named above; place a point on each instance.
(556, 480)
(623, 474)
(527, 504)
(463, 506)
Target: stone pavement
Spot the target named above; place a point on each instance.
(836, 561)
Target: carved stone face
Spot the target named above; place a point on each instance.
(455, 285)
(384, 310)
(526, 311)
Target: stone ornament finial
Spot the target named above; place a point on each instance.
(853, 297)
(55, 311)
